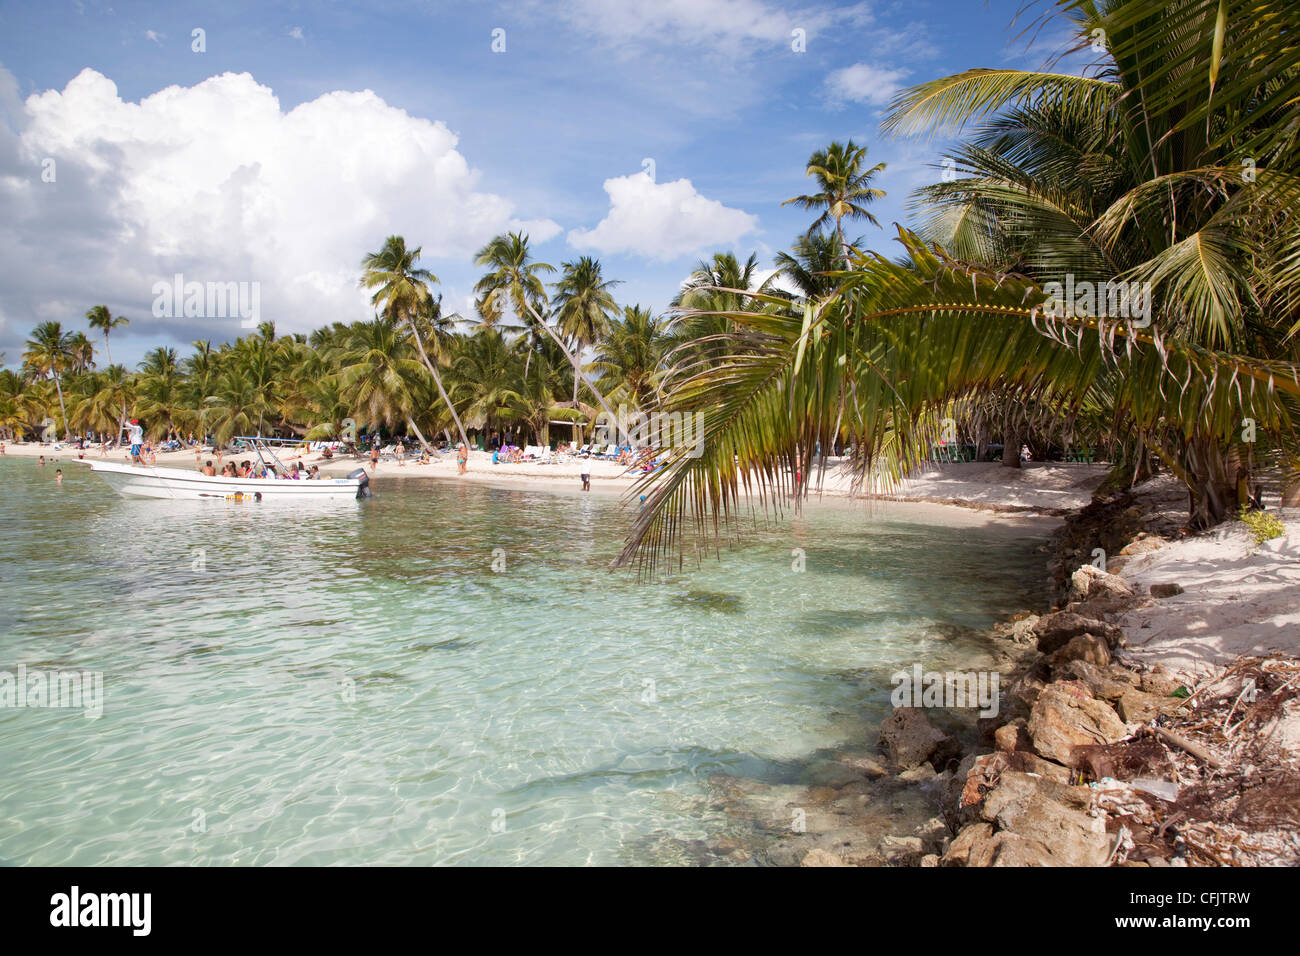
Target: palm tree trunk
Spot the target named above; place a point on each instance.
(67, 431)
(437, 380)
(573, 360)
(1010, 440)
(415, 428)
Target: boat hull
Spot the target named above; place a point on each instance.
(177, 484)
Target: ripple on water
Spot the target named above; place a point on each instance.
(355, 684)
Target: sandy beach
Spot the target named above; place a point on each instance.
(1238, 598)
(1049, 488)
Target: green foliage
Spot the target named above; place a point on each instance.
(1262, 525)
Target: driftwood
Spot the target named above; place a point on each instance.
(1181, 742)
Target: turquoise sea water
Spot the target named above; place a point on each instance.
(354, 683)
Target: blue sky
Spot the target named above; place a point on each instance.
(276, 178)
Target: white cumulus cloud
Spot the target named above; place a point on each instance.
(865, 83)
(662, 221)
(217, 182)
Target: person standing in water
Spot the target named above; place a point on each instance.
(58, 475)
(137, 441)
(462, 458)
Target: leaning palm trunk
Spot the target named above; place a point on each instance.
(410, 423)
(437, 380)
(67, 429)
(573, 360)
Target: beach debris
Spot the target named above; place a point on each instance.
(1129, 760)
(1138, 707)
(1165, 590)
(1196, 750)
(1164, 789)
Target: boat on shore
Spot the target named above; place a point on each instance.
(138, 481)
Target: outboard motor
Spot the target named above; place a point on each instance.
(363, 489)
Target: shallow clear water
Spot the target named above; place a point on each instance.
(354, 683)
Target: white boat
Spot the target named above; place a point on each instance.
(136, 481)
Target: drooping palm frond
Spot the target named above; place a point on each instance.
(894, 342)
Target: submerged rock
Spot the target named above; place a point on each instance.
(908, 737)
(818, 857)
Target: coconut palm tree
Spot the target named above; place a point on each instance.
(487, 370)
(81, 352)
(1105, 179)
(100, 318)
(48, 355)
(629, 359)
(379, 376)
(1139, 190)
(843, 187)
(515, 281)
(401, 287)
(583, 305)
(104, 405)
(810, 264)
(159, 397)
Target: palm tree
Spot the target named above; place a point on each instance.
(104, 404)
(1143, 183)
(400, 288)
(99, 318)
(629, 359)
(81, 353)
(48, 355)
(238, 404)
(809, 264)
(717, 287)
(1105, 178)
(844, 187)
(379, 378)
(516, 281)
(488, 378)
(583, 305)
(159, 394)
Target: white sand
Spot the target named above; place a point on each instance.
(1238, 599)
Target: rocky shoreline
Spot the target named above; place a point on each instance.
(1094, 758)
